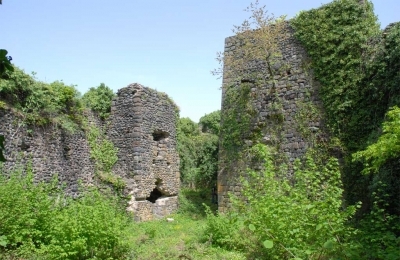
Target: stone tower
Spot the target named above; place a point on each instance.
(142, 126)
(275, 107)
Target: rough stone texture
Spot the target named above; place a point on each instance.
(50, 151)
(141, 125)
(294, 86)
(143, 128)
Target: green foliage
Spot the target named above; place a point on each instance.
(357, 67)
(211, 123)
(105, 155)
(336, 37)
(284, 219)
(193, 202)
(99, 100)
(37, 219)
(5, 64)
(92, 226)
(187, 127)
(378, 229)
(386, 147)
(26, 211)
(237, 118)
(41, 103)
(198, 153)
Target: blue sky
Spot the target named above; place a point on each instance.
(166, 45)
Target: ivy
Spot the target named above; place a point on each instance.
(236, 122)
(336, 37)
(104, 153)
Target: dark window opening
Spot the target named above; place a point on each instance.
(154, 195)
(159, 135)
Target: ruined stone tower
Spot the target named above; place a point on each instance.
(143, 128)
(275, 107)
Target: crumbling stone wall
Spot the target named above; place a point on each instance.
(142, 125)
(143, 128)
(49, 150)
(294, 87)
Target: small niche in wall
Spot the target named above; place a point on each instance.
(159, 135)
(154, 195)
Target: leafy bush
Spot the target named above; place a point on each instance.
(301, 218)
(5, 64)
(41, 103)
(90, 227)
(38, 220)
(26, 212)
(99, 100)
(379, 234)
(386, 147)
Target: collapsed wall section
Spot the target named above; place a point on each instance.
(142, 126)
(282, 114)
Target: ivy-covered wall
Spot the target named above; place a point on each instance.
(328, 86)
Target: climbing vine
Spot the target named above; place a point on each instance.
(336, 37)
(104, 153)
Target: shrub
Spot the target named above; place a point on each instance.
(99, 100)
(39, 220)
(285, 218)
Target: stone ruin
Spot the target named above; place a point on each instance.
(294, 86)
(143, 128)
(142, 125)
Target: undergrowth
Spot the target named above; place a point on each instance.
(37, 221)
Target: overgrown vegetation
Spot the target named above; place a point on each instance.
(312, 215)
(37, 221)
(99, 100)
(357, 66)
(104, 154)
(284, 219)
(40, 103)
(198, 150)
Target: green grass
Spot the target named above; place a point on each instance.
(183, 238)
(34, 225)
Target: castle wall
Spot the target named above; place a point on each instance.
(48, 149)
(293, 87)
(141, 125)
